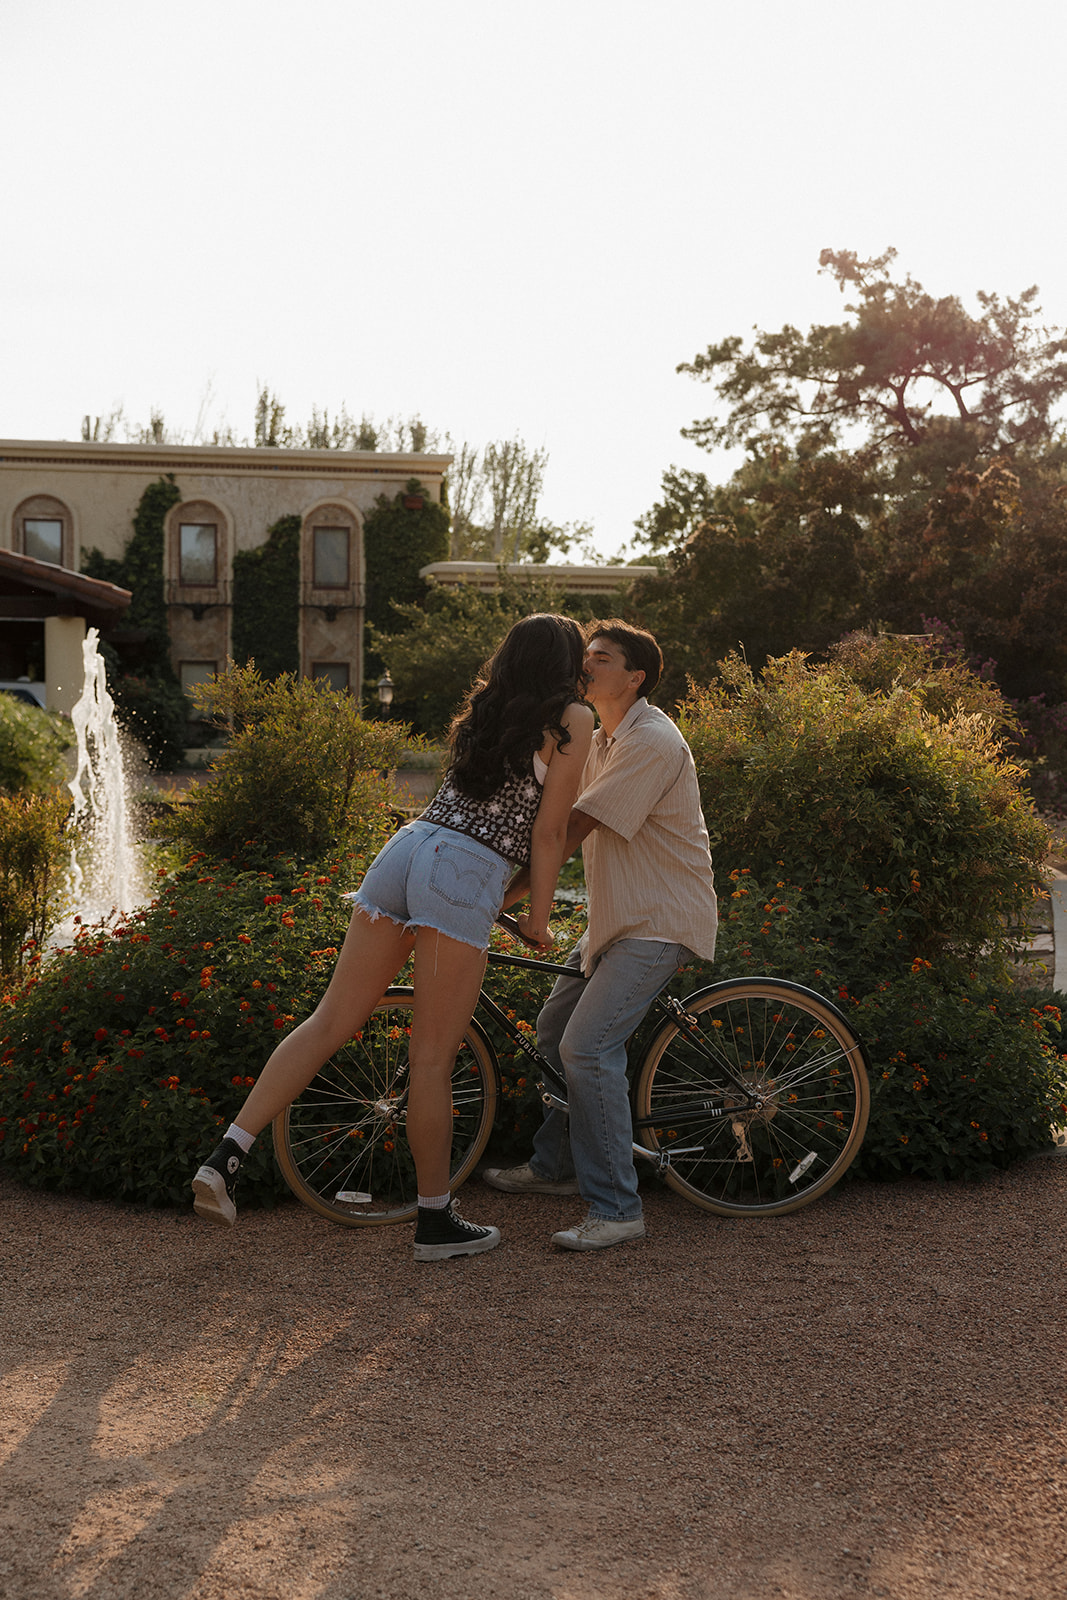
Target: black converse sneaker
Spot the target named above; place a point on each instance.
(215, 1184)
(440, 1234)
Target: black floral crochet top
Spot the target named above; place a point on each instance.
(503, 823)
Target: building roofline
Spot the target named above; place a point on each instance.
(573, 579)
(65, 453)
(92, 597)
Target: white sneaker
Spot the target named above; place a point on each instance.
(524, 1180)
(596, 1233)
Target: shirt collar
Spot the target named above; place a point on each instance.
(605, 741)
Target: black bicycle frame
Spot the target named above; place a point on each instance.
(554, 1090)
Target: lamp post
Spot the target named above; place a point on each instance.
(385, 692)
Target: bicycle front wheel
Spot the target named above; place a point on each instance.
(797, 1055)
(342, 1145)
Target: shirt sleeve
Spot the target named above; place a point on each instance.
(637, 774)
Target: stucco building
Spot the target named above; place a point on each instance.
(59, 501)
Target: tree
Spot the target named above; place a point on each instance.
(435, 648)
(688, 502)
(270, 430)
(986, 555)
(901, 465)
(396, 434)
(494, 495)
(494, 498)
(780, 558)
(902, 369)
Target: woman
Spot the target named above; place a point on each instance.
(518, 747)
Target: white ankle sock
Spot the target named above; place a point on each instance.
(239, 1136)
(435, 1202)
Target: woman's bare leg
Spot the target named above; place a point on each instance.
(448, 977)
(370, 958)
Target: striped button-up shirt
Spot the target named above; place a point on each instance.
(648, 865)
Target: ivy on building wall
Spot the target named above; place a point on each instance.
(140, 567)
(403, 533)
(266, 601)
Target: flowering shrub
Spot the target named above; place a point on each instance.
(962, 1079)
(122, 1058)
(965, 1075)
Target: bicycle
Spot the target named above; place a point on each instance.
(751, 1099)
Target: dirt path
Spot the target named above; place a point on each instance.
(866, 1398)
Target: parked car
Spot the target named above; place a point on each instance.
(31, 694)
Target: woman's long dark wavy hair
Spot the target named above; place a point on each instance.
(522, 690)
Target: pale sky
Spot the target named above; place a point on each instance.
(508, 218)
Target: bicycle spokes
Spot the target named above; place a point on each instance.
(753, 1099)
(343, 1143)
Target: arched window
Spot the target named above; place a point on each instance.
(331, 595)
(44, 528)
(330, 556)
(198, 554)
(198, 558)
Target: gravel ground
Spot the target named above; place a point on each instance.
(865, 1398)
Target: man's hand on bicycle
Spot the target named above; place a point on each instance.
(521, 928)
(539, 938)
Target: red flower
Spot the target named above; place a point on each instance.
(100, 1034)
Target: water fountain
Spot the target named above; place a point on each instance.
(105, 869)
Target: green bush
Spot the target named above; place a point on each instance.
(963, 1078)
(32, 742)
(436, 648)
(122, 1056)
(154, 710)
(33, 857)
(929, 668)
(302, 773)
(871, 798)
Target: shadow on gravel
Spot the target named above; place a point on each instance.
(862, 1398)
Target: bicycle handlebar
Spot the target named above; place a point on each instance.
(510, 926)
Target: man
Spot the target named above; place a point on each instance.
(651, 908)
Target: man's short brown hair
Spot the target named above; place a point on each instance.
(640, 650)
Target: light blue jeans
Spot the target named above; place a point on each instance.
(582, 1029)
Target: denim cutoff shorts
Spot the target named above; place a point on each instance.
(433, 877)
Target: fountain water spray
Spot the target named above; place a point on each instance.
(105, 871)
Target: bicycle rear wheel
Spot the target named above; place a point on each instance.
(798, 1054)
(342, 1146)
